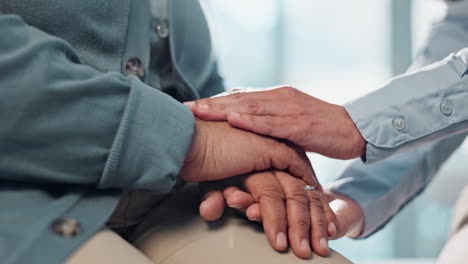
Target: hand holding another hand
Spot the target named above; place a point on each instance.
(290, 114)
(219, 151)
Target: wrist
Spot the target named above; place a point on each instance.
(359, 144)
(194, 153)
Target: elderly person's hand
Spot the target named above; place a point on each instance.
(288, 211)
(287, 113)
(219, 151)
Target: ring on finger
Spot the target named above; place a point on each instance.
(309, 188)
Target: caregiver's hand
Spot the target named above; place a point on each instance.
(287, 210)
(349, 215)
(290, 114)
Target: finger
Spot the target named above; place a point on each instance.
(330, 215)
(254, 103)
(212, 206)
(229, 190)
(266, 190)
(277, 127)
(298, 216)
(319, 224)
(238, 199)
(287, 158)
(254, 213)
(274, 126)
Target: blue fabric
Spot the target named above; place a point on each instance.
(74, 129)
(410, 158)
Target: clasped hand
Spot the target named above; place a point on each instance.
(275, 197)
(287, 210)
(275, 188)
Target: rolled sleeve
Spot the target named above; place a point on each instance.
(414, 108)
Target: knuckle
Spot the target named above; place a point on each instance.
(298, 196)
(237, 96)
(301, 223)
(288, 91)
(270, 192)
(296, 133)
(252, 107)
(320, 222)
(316, 203)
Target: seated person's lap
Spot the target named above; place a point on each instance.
(172, 233)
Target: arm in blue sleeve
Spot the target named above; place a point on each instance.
(415, 108)
(383, 188)
(64, 122)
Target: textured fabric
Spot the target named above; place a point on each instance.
(383, 188)
(75, 130)
(173, 236)
(108, 247)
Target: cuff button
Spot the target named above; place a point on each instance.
(399, 124)
(446, 107)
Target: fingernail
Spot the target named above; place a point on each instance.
(235, 206)
(305, 245)
(190, 104)
(281, 240)
(254, 219)
(234, 114)
(323, 243)
(203, 106)
(332, 229)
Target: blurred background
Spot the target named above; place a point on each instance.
(338, 50)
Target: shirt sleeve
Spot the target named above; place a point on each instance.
(426, 105)
(383, 188)
(65, 122)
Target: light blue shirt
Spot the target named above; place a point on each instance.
(415, 122)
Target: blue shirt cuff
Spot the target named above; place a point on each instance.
(414, 108)
(152, 140)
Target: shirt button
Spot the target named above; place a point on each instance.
(446, 107)
(66, 227)
(399, 124)
(135, 67)
(162, 30)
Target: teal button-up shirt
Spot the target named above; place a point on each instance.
(414, 123)
(75, 128)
